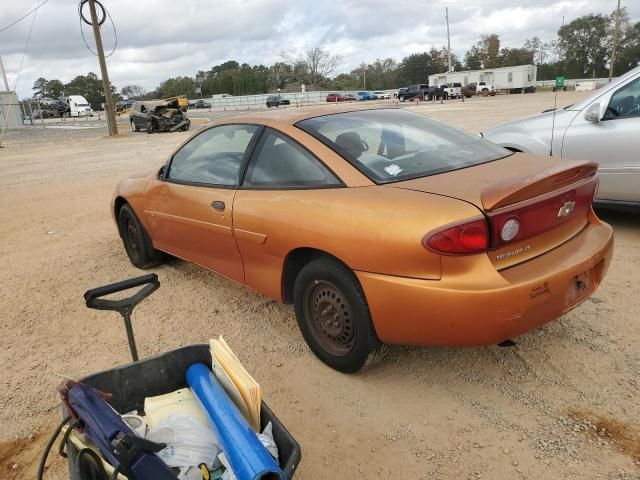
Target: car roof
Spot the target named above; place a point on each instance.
(291, 116)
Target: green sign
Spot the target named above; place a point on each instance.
(559, 82)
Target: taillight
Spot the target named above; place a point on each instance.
(539, 215)
(461, 239)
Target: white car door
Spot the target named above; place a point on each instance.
(608, 131)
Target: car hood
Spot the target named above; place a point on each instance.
(502, 182)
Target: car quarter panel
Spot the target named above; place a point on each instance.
(373, 229)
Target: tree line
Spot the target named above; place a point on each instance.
(581, 49)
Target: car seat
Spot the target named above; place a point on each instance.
(351, 143)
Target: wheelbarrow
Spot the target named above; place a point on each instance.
(129, 385)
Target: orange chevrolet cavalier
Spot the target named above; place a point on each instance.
(381, 226)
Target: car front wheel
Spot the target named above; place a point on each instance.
(133, 126)
(401, 98)
(334, 317)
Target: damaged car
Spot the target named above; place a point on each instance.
(159, 116)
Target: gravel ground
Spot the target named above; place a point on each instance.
(563, 403)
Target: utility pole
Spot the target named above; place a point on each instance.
(446, 15)
(4, 76)
(364, 78)
(111, 115)
(615, 41)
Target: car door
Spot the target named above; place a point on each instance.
(282, 180)
(190, 208)
(608, 132)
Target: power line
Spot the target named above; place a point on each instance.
(23, 17)
(15, 85)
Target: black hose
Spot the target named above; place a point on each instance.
(47, 449)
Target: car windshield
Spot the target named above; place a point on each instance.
(389, 145)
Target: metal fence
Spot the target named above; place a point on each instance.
(297, 99)
(571, 82)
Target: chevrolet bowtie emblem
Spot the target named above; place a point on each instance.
(566, 209)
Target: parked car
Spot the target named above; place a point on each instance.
(201, 104)
(124, 105)
(158, 116)
(382, 95)
(366, 95)
(604, 127)
(336, 97)
(420, 234)
(421, 91)
(276, 101)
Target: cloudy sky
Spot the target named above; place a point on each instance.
(164, 38)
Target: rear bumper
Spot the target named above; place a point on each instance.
(476, 305)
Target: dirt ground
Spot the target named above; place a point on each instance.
(563, 403)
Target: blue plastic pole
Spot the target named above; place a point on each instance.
(248, 458)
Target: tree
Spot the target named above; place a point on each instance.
(132, 91)
(55, 88)
(484, 54)
(628, 55)
(90, 87)
(510, 57)
(585, 44)
(314, 66)
(173, 87)
(40, 87)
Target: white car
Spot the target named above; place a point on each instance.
(382, 95)
(604, 127)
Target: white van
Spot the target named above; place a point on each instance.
(77, 106)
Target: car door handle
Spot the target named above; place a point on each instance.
(218, 205)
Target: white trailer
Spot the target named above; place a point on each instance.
(518, 79)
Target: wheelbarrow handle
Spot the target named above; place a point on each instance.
(125, 305)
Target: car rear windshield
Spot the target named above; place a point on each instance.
(393, 145)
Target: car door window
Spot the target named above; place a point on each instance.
(280, 162)
(214, 157)
(625, 103)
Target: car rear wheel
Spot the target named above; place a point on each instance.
(334, 317)
(136, 240)
(401, 98)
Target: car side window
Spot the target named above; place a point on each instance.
(625, 103)
(213, 157)
(280, 162)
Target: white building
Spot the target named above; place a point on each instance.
(513, 79)
(10, 110)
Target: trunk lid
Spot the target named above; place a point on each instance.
(550, 200)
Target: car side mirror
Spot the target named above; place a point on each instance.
(593, 113)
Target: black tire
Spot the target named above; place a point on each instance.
(136, 240)
(186, 127)
(334, 317)
(401, 98)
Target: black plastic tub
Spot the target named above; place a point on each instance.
(131, 384)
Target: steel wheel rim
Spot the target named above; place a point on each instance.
(330, 317)
(131, 233)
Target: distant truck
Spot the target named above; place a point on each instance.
(77, 106)
(453, 90)
(483, 88)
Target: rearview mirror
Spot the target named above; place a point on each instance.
(593, 113)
